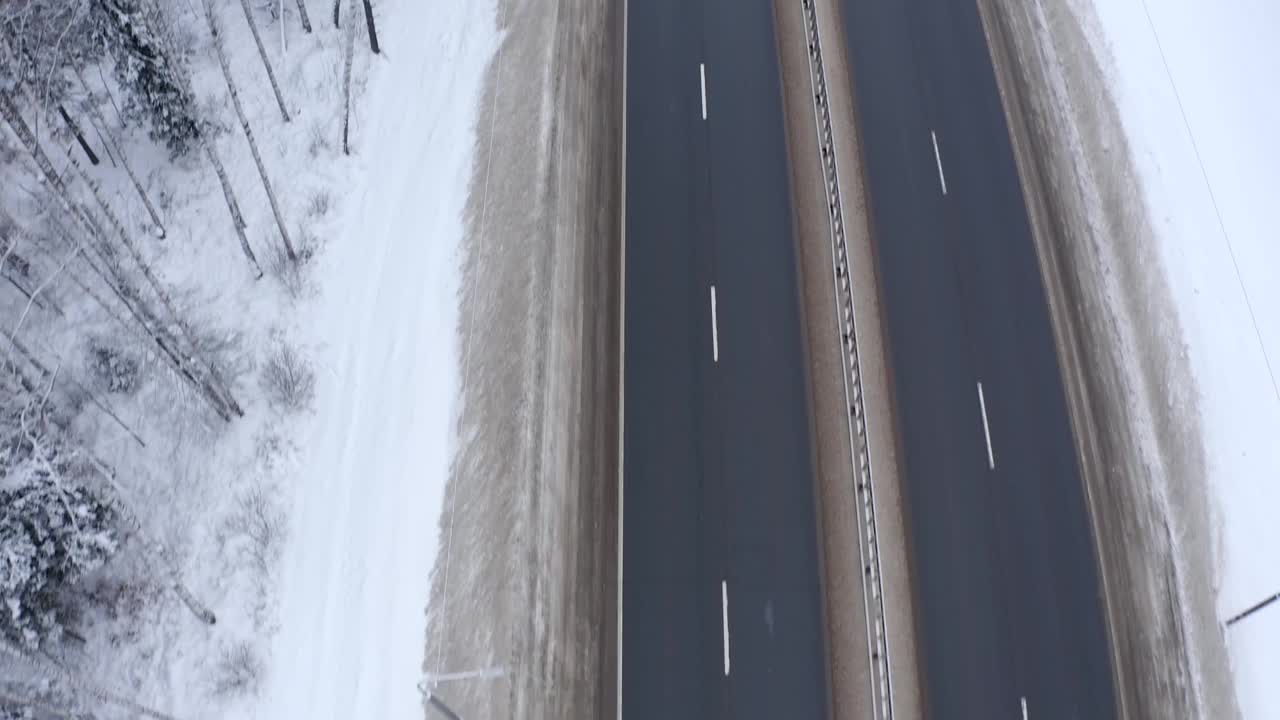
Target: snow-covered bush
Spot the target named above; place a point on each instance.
(288, 380)
(111, 368)
(52, 532)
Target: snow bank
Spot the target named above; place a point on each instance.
(364, 514)
(1194, 82)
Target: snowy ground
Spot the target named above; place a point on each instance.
(1151, 128)
(1193, 83)
(312, 535)
(375, 459)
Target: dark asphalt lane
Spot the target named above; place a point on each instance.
(718, 483)
(1004, 568)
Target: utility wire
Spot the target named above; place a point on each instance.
(1214, 199)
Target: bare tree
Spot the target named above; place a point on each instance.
(237, 219)
(262, 52)
(112, 98)
(216, 383)
(373, 32)
(244, 125)
(349, 56)
(104, 260)
(302, 14)
(113, 146)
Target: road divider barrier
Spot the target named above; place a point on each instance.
(868, 537)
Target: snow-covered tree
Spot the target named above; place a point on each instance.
(52, 532)
(145, 64)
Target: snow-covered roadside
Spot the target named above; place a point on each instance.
(1192, 81)
(364, 512)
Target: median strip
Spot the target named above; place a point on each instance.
(869, 540)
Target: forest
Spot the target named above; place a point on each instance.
(156, 232)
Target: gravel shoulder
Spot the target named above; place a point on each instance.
(1134, 405)
(526, 577)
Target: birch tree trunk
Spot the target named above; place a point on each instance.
(373, 32)
(302, 14)
(248, 132)
(337, 4)
(262, 51)
(349, 52)
(237, 220)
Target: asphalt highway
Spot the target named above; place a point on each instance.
(722, 613)
(1010, 616)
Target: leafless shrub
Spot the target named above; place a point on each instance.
(319, 203)
(288, 273)
(259, 520)
(308, 243)
(238, 671)
(318, 140)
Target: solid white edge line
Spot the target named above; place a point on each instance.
(622, 347)
(1024, 708)
(702, 83)
(715, 328)
(937, 156)
(986, 429)
(724, 613)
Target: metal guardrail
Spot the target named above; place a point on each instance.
(868, 537)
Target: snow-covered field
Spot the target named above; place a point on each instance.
(1195, 85)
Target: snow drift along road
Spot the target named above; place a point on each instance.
(376, 457)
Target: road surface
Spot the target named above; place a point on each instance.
(722, 614)
(1010, 615)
